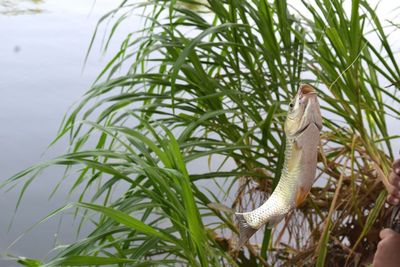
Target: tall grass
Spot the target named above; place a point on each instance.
(209, 86)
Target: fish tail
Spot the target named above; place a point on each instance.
(245, 230)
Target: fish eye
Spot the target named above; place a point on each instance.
(291, 105)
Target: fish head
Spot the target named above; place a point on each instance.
(303, 111)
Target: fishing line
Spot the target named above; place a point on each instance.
(354, 61)
(323, 35)
(394, 221)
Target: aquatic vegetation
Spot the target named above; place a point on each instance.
(189, 113)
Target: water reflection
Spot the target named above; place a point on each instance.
(20, 7)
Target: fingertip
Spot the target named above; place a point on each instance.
(396, 166)
(394, 179)
(393, 191)
(387, 232)
(392, 200)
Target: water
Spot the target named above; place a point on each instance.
(42, 51)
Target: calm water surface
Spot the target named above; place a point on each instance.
(42, 49)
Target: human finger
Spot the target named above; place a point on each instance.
(386, 233)
(396, 166)
(394, 191)
(393, 200)
(394, 179)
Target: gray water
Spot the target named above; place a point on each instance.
(42, 50)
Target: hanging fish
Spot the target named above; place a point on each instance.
(302, 128)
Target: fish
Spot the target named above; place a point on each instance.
(302, 128)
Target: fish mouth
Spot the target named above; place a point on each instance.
(306, 89)
(304, 94)
(313, 120)
(305, 113)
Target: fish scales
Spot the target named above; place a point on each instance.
(274, 206)
(302, 128)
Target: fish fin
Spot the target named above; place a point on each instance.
(274, 221)
(301, 195)
(245, 230)
(295, 158)
(296, 145)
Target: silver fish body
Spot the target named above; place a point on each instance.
(302, 128)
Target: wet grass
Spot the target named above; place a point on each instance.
(210, 86)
